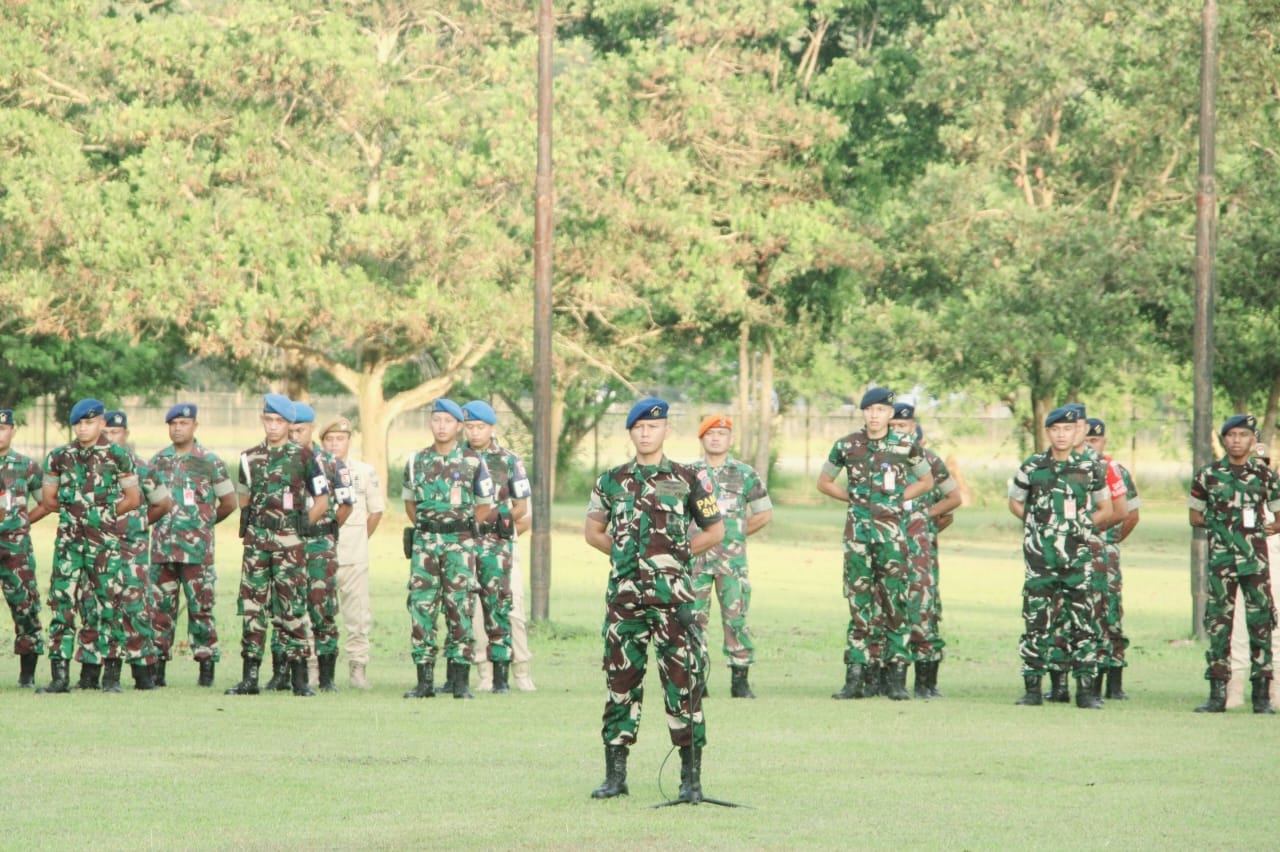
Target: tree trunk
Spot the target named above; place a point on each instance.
(764, 409)
(1040, 409)
(742, 416)
(1268, 431)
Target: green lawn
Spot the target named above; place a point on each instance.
(189, 768)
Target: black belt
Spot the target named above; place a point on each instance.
(287, 524)
(311, 530)
(444, 527)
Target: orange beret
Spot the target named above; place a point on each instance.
(714, 421)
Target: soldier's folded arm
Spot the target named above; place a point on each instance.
(130, 499)
(318, 508)
(921, 486)
(706, 538)
(1104, 515)
(827, 485)
(1017, 508)
(226, 505)
(596, 533)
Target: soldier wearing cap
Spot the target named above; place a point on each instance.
(924, 604)
(744, 502)
(1061, 497)
(182, 541)
(447, 490)
(92, 485)
(641, 514)
(495, 543)
(280, 486)
(879, 465)
(137, 599)
(1228, 498)
(20, 507)
(353, 549)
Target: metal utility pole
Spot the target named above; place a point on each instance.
(543, 451)
(1202, 338)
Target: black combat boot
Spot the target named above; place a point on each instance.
(206, 672)
(446, 688)
(853, 682)
(1033, 697)
(1086, 695)
(1217, 702)
(1262, 695)
(328, 662)
(298, 678)
(248, 684)
(60, 673)
(922, 679)
(90, 676)
(27, 671)
(143, 678)
(111, 675)
(425, 687)
(279, 681)
(461, 680)
(159, 674)
(501, 685)
(690, 774)
(878, 683)
(1059, 692)
(897, 681)
(615, 773)
(1115, 685)
(739, 687)
(933, 679)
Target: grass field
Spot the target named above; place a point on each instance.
(190, 768)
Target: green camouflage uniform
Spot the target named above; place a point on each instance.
(20, 484)
(1099, 574)
(495, 547)
(137, 600)
(740, 492)
(447, 490)
(1232, 499)
(875, 562)
(87, 568)
(648, 510)
(1059, 624)
(1114, 642)
(273, 580)
(182, 541)
(924, 605)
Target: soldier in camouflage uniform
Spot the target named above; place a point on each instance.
(92, 485)
(924, 605)
(495, 541)
(1227, 500)
(280, 486)
(1061, 497)
(137, 598)
(1112, 611)
(744, 502)
(20, 507)
(182, 542)
(641, 514)
(878, 463)
(446, 490)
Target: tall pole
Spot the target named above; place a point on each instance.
(1202, 338)
(543, 224)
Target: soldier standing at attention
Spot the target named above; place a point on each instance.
(276, 482)
(640, 515)
(20, 507)
(744, 503)
(92, 485)
(878, 463)
(182, 556)
(495, 541)
(137, 610)
(353, 549)
(1227, 500)
(1061, 498)
(446, 490)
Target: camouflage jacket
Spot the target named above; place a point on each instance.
(740, 492)
(877, 472)
(278, 481)
(510, 482)
(20, 485)
(196, 480)
(339, 478)
(446, 489)
(89, 481)
(1111, 535)
(153, 491)
(943, 485)
(1232, 499)
(1058, 495)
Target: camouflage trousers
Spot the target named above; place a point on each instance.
(1111, 613)
(87, 578)
(18, 579)
(322, 596)
(924, 607)
(197, 583)
(441, 573)
(1058, 611)
(273, 585)
(1219, 614)
(875, 585)
(733, 592)
(681, 657)
(1098, 598)
(136, 603)
(493, 572)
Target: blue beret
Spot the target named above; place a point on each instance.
(1078, 408)
(1062, 414)
(86, 408)
(479, 410)
(1239, 421)
(919, 433)
(877, 396)
(1096, 427)
(303, 413)
(649, 408)
(182, 409)
(278, 403)
(6, 417)
(448, 406)
(116, 417)
(903, 411)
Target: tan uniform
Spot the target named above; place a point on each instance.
(353, 562)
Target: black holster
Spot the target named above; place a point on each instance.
(407, 540)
